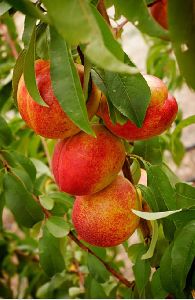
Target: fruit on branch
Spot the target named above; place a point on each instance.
(160, 114)
(105, 218)
(50, 122)
(83, 164)
(159, 12)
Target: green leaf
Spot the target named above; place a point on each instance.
(141, 271)
(162, 189)
(185, 195)
(21, 174)
(151, 216)
(77, 23)
(28, 8)
(64, 77)
(156, 286)
(41, 168)
(182, 124)
(177, 150)
(47, 202)
(5, 133)
(57, 226)
(51, 258)
(2, 204)
(134, 250)
(153, 242)
(97, 269)
(149, 197)
(94, 290)
(29, 70)
(138, 13)
(25, 209)
(182, 31)
(135, 171)
(28, 28)
(4, 7)
(166, 272)
(150, 150)
(17, 73)
(183, 254)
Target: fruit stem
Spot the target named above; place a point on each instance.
(87, 69)
(103, 12)
(46, 150)
(107, 266)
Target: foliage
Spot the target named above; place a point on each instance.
(40, 255)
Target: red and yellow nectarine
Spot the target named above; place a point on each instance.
(50, 122)
(105, 218)
(83, 164)
(160, 114)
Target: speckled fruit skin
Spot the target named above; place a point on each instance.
(83, 164)
(160, 114)
(159, 13)
(50, 122)
(105, 218)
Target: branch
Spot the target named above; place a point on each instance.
(103, 12)
(7, 38)
(107, 266)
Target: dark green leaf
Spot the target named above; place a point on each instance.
(5, 133)
(94, 290)
(25, 209)
(28, 8)
(182, 31)
(65, 78)
(161, 187)
(150, 150)
(149, 197)
(141, 271)
(135, 171)
(2, 204)
(17, 73)
(51, 258)
(97, 269)
(28, 29)
(134, 250)
(29, 70)
(138, 13)
(157, 290)
(57, 226)
(185, 195)
(166, 272)
(183, 254)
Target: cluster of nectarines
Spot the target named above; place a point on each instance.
(87, 166)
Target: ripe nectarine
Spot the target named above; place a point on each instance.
(160, 114)
(159, 12)
(50, 122)
(83, 164)
(105, 218)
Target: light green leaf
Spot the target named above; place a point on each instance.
(156, 286)
(46, 202)
(5, 133)
(29, 70)
(4, 7)
(57, 226)
(138, 13)
(153, 242)
(151, 216)
(65, 78)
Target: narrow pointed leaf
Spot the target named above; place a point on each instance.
(153, 242)
(154, 216)
(66, 83)
(29, 70)
(17, 73)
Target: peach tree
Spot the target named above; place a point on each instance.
(89, 207)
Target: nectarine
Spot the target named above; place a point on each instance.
(160, 114)
(105, 218)
(83, 164)
(50, 122)
(159, 12)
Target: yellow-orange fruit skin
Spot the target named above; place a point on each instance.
(50, 122)
(105, 219)
(83, 164)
